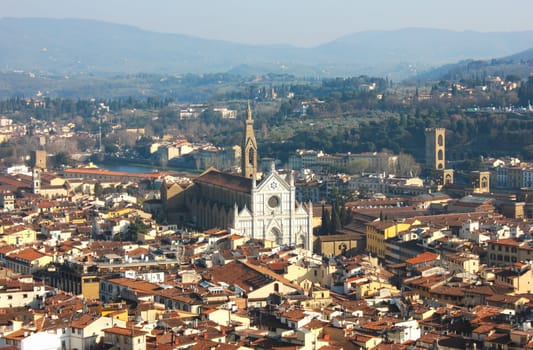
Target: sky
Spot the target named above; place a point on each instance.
(303, 23)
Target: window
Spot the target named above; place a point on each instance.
(251, 156)
(273, 201)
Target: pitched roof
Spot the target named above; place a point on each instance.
(125, 331)
(422, 258)
(246, 276)
(229, 181)
(29, 254)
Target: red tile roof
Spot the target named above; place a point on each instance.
(125, 331)
(29, 254)
(422, 258)
(219, 179)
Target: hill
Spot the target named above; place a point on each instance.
(519, 65)
(74, 46)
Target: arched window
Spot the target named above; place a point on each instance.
(484, 182)
(276, 235)
(251, 155)
(440, 140)
(440, 155)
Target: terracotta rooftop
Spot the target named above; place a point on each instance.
(246, 276)
(422, 258)
(125, 331)
(29, 254)
(229, 181)
(96, 171)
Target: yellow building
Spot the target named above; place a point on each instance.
(365, 341)
(27, 261)
(346, 244)
(90, 286)
(116, 311)
(363, 287)
(519, 277)
(462, 262)
(318, 296)
(379, 231)
(18, 234)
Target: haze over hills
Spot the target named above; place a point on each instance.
(519, 65)
(74, 46)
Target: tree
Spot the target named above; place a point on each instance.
(407, 165)
(62, 159)
(98, 189)
(335, 223)
(325, 226)
(136, 227)
(345, 216)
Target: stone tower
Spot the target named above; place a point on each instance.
(480, 181)
(36, 180)
(435, 148)
(249, 147)
(38, 159)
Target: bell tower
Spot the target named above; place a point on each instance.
(36, 180)
(249, 147)
(436, 157)
(435, 148)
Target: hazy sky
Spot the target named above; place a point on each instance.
(296, 22)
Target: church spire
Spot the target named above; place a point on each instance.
(249, 147)
(248, 112)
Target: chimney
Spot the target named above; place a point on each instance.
(17, 324)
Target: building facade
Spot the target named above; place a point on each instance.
(264, 209)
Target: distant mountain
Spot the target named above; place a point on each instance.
(74, 46)
(523, 56)
(519, 65)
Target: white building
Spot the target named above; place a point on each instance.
(275, 215)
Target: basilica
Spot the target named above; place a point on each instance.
(260, 208)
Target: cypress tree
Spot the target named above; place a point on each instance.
(324, 228)
(335, 220)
